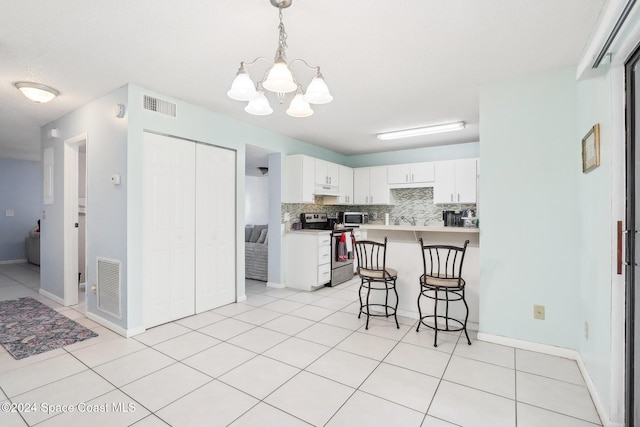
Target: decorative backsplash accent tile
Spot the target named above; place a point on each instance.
(410, 202)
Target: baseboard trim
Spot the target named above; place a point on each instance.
(51, 296)
(567, 353)
(276, 285)
(241, 298)
(606, 422)
(127, 333)
(14, 261)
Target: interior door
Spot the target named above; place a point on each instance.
(215, 227)
(168, 230)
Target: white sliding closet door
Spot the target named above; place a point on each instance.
(169, 229)
(215, 227)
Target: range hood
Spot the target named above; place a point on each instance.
(326, 190)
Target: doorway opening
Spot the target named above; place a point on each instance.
(75, 218)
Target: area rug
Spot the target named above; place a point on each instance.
(28, 327)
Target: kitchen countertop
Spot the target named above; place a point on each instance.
(309, 231)
(422, 228)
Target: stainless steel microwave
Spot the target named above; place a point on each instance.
(353, 219)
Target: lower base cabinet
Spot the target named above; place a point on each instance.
(308, 259)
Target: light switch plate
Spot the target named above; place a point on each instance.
(9, 212)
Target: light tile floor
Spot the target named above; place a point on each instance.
(283, 358)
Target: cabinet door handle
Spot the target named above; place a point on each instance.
(458, 196)
(406, 178)
(412, 179)
(371, 199)
(452, 197)
(366, 199)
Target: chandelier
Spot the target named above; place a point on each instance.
(279, 79)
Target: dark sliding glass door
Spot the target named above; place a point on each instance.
(632, 73)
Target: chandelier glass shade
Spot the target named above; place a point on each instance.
(280, 80)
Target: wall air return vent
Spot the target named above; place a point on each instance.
(109, 287)
(159, 106)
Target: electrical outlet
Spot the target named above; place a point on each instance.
(586, 330)
(538, 312)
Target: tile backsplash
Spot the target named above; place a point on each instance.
(410, 202)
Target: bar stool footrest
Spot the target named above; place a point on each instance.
(460, 324)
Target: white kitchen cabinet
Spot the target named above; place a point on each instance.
(326, 173)
(370, 186)
(411, 175)
(306, 177)
(299, 179)
(455, 181)
(345, 188)
(308, 261)
(189, 237)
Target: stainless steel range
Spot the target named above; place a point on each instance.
(341, 257)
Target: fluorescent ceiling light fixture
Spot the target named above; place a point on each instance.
(426, 130)
(37, 92)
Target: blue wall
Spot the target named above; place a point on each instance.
(21, 192)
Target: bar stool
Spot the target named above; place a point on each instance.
(375, 276)
(442, 266)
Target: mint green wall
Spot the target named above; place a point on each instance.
(426, 154)
(595, 222)
(530, 234)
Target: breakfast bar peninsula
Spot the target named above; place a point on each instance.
(404, 254)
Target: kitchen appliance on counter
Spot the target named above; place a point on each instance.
(452, 218)
(341, 262)
(469, 218)
(353, 219)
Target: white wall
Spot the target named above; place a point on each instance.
(530, 233)
(256, 200)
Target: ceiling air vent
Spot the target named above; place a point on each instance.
(159, 106)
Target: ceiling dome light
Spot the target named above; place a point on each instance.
(37, 92)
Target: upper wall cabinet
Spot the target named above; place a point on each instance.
(370, 186)
(411, 175)
(307, 177)
(326, 173)
(456, 181)
(299, 179)
(345, 188)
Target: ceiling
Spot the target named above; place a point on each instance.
(389, 65)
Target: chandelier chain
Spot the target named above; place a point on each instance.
(283, 34)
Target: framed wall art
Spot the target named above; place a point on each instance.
(591, 149)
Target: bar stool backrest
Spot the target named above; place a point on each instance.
(443, 261)
(371, 255)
